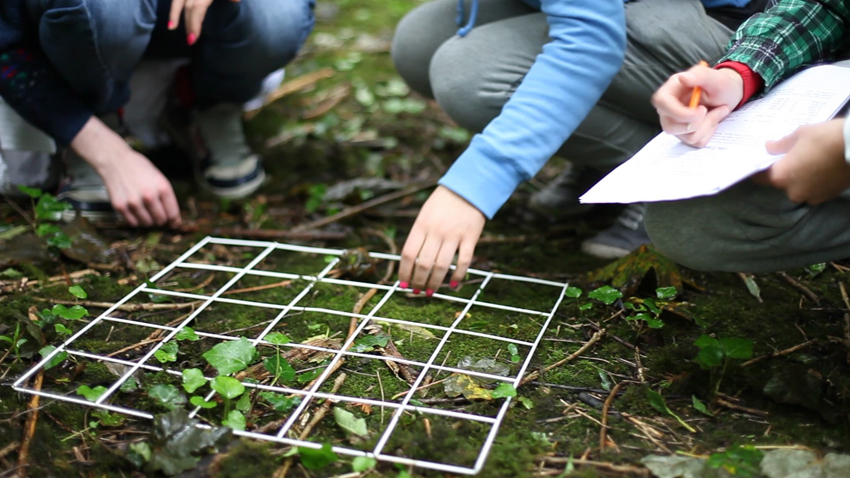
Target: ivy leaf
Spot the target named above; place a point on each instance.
(369, 342)
(34, 193)
(279, 402)
(228, 387)
(586, 306)
(658, 403)
(700, 407)
(46, 229)
(737, 348)
(277, 338)
(62, 330)
(91, 394)
(244, 403)
(654, 322)
(526, 402)
(200, 402)
(56, 360)
(187, 333)
(235, 420)
(709, 357)
(665, 293)
(314, 459)
(279, 367)
(705, 341)
(363, 463)
(167, 395)
(309, 376)
(504, 390)
(59, 240)
(193, 379)
(231, 356)
(109, 419)
(573, 292)
(78, 292)
(75, 312)
(48, 207)
(167, 353)
(605, 294)
(350, 423)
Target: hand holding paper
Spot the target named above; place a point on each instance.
(722, 90)
(667, 169)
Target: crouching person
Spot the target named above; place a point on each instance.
(797, 212)
(65, 67)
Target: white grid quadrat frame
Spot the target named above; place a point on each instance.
(266, 248)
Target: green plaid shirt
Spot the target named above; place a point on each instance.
(790, 35)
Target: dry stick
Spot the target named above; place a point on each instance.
(9, 286)
(29, 427)
(603, 432)
(284, 283)
(800, 287)
(739, 408)
(203, 284)
(746, 278)
(780, 353)
(125, 307)
(617, 339)
(536, 374)
(353, 211)
(635, 471)
(293, 86)
(319, 415)
(268, 234)
(393, 250)
(8, 449)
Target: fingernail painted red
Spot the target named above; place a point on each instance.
(403, 285)
(416, 291)
(429, 292)
(453, 284)
(170, 24)
(191, 39)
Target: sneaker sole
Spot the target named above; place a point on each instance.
(603, 251)
(237, 192)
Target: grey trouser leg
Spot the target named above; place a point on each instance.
(473, 77)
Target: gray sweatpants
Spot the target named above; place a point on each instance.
(473, 77)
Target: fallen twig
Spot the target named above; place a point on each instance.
(29, 427)
(125, 307)
(292, 86)
(738, 408)
(557, 460)
(800, 287)
(284, 283)
(393, 250)
(603, 432)
(752, 287)
(536, 374)
(354, 210)
(10, 286)
(203, 284)
(780, 353)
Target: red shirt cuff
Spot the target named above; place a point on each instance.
(753, 82)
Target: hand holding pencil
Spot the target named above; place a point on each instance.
(692, 103)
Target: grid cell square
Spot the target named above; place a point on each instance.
(508, 324)
(234, 319)
(286, 259)
(482, 355)
(118, 339)
(521, 292)
(220, 254)
(438, 439)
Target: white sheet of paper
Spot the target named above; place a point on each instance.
(666, 169)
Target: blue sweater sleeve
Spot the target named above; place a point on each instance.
(587, 47)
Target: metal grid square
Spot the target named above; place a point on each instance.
(459, 329)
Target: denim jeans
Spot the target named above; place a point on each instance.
(96, 44)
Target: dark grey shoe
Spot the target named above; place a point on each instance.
(560, 197)
(625, 235)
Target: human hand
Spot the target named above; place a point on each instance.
(813, 169)
(446, 224)
(137, 189)
(194, 12)
(722, 91)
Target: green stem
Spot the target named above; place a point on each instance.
(277, 364)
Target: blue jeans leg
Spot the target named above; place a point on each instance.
(240, 44)
(95, 44)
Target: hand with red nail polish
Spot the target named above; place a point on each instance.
(403, 285)
(429, 292)
(447, 225)
(193, 12)
(453, 284)
(416, 291)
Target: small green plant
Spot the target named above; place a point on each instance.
(649, 309)
(606, 294)
(658, 403)
(575, 294)
(512, 348)
(316, 196)
(277, 365)
(230, 388)
(16, 340)
(739, 461)
(47, 208)
(716, 354)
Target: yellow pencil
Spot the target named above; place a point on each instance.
(697, 92)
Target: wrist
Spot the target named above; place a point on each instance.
(99, 145)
